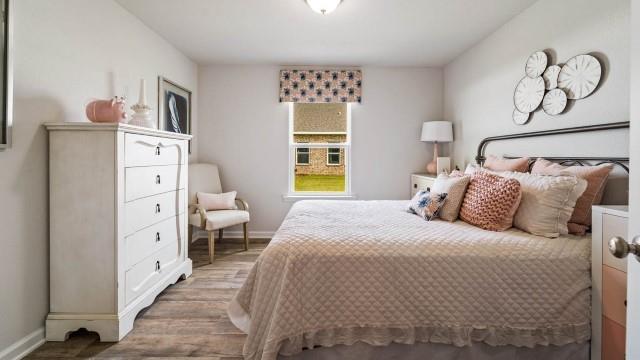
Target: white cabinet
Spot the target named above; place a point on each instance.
(609, 287)
(117, 224)
(421, 182)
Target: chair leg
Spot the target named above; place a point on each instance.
(189, 238)
(246, 237)
(220, 233)
(211, 246)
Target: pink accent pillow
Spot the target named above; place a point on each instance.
(224, 201)
(596, 177)
(491, 201)
(501, 164)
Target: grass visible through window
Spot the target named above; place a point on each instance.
(320, 183)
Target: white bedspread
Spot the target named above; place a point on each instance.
(338, 272)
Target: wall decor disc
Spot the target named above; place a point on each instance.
(554, 102)
(580, 76)
(536, 63)
(550, 77)
(528, 94)
(520, 118)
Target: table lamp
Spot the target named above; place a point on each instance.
(436, 132)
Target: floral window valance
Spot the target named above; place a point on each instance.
(328, 86)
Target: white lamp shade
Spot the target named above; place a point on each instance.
(437, 131)
(323, 6)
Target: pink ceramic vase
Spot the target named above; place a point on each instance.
(112, 110)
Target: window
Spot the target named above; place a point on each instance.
(319, 144)
(333, 156)
(302, 156)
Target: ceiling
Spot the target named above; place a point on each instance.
(359, 32)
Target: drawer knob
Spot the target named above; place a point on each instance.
(157, 237)
(157, 208)
(415, 186)
(620, 248)
(157, 150)
(158, 179)
(158, 266)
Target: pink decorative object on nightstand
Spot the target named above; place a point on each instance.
(109, 111)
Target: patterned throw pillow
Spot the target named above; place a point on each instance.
(427, 204)
(491, 201)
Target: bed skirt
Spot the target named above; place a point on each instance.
(421, 351)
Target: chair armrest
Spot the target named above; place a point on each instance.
(202, 212)
(245, 205)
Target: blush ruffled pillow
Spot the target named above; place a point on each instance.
(596, 177)
(427, 204)
(495, 163)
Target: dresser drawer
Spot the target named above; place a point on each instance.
(613, 226)
(144, 150)
(146, 181)
(151, 239)
(614, 294)
(145, 212)
(149, 271)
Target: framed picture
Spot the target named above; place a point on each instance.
(443, 165)
(174, 107)
(6, 74)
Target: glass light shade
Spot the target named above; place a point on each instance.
(323, 6)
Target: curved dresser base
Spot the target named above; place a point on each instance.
(111, 327)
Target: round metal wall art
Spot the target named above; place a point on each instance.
(528, 94)
(520, 118)
(536, 63)
(550, 77)
(554, 102)
(580, 76)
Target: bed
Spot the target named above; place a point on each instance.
(367, 279)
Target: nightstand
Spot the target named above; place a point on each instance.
(421, 182)
(609, 287)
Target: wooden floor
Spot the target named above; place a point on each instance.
(188, 320)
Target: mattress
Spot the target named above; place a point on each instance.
(341, 272)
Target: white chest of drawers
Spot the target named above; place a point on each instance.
(117, 224)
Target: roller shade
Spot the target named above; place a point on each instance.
(321, 86)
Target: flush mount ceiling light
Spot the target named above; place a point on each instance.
(323, 6)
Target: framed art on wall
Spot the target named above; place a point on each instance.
(6, 75)
(174, 107)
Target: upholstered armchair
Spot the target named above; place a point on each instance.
(206, 179)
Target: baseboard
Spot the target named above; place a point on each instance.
(199, 234)
(24, 346)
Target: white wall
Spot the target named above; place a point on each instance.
(244, 130)
(633, 269)
(479, 84)
(66, 52)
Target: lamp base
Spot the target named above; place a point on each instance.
(432, 167)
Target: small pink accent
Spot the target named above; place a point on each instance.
(109, 111)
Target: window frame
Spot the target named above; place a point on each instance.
(346, 160)
(308, 153)
(329, 153)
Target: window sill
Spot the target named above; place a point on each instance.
(296, 197)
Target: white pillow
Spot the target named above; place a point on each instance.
(547, 202)
(224, 201)
(454, 187)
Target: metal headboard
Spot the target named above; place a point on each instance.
(620, 161)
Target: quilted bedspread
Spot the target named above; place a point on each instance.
(338, 272)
